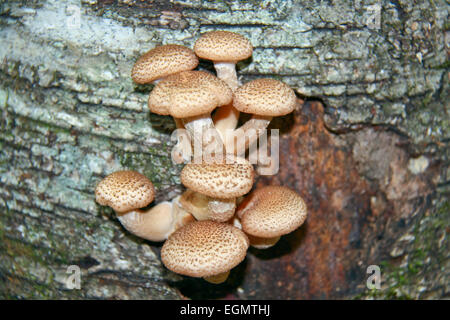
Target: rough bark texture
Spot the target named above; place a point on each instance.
(368, 149)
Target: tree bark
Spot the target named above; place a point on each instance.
(367, 147)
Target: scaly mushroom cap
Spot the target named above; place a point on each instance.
(223, 180)
(163, 61)
(125, 191)
(189, 94)
(204, 248)
(223, 46)
(265, 97)
(272, 211)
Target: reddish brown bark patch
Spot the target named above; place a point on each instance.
(360, 196)
(351, 201)
(309, 262)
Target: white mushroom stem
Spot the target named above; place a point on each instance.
(237, 141)
(156, 223)
(226, 71)
(206, 208)
(217, 278)
(183, 150)
(204, 137)
(226, 117)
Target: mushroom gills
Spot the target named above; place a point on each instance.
(262, 243)
(217, 278)
(203, 207)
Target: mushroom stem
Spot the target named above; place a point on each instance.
(181, 216)
(183, 149)
(203, 207)
(156, 223)
(238, 141)
(226, 117)
(153, 224)
(227, 72)
(262, 243)
(204, 137)
(217, 278)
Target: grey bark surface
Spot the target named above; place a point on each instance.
(71, 115)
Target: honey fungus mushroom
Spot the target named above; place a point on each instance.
(158, 63)
(192, 96)
(270, 212)
(126, 192)
(264, 99)
(225, 49)
(206, 249)
(213, 187)
(163, 61)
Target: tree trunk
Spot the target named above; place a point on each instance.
(368, 148)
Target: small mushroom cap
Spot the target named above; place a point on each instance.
(163, 61)
(223, 46)
(204, 248)
(265, 97)
(125, 191)
(189, 94)
(272, 211)
(223, 180)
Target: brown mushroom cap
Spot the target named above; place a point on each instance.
(124, 191)
(219, 180)
(163, 61)
(189, 94)
(223, 46)
(265, 97)
(204, 248)
(272, 211)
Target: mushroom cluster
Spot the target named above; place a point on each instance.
(208, 229)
